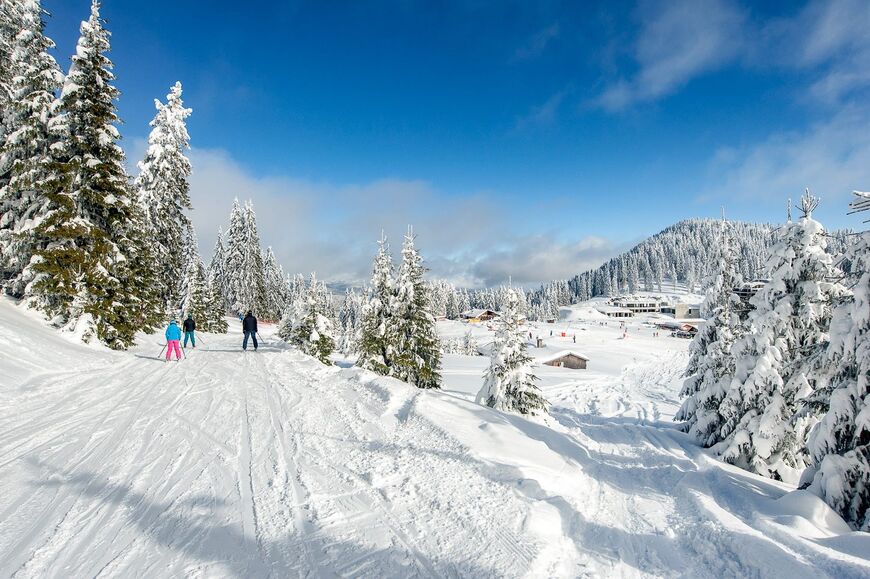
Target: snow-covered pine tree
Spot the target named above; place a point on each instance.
(215, 320)
(89, 237)
(839, 444)
(349, 318)
(217, 274)
(788, 332)
(509, 382)
(711, 363)
(417, 351)
(10, 27)
(254, 271)
(164, 191)
(375, 335)
(25, 151)
(238, 288)
(312, 331)
(195, 298)
(277, 292)
(469, 343)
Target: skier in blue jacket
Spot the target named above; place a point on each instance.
(173, 337)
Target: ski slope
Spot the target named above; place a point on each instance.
(233, 464)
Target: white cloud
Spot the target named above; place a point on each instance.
(683, 39)
(831, 157)
(332, 229)
(832, 36)
(678, 40)
(533, 259)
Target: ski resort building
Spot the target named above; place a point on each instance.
(638, 305)
(565, 359)
(476, 316)
(682, 311)
(614, 311)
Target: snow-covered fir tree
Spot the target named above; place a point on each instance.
(238, 292)
(711, 362)
(309, 327)
(164, 191)
(195, 298)
(375, 335)
(91, 243)
(349, 321)
(255, 271)
(509, 382)
(839, 444)
(787, 334)
(215, 320)
(25, 152)
(217, 273)
(10, 27)
(276, 289)
(417, 353)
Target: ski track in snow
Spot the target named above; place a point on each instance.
(268, 464)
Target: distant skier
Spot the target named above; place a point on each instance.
(249, 326)
(189, 327)
(173, 336)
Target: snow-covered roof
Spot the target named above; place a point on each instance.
(560, 354)
(605, 309)
(477, 313)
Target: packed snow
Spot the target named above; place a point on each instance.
(269, 463)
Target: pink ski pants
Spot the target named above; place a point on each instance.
(170, 346)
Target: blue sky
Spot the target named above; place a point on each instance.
(531, 139)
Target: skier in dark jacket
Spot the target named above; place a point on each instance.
(189, 327)
(249, 326)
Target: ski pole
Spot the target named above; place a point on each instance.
(161, 351)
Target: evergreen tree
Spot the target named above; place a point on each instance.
(164, 191)
(215, 320)
(277, 292)
(349, 317)
(195, 297)
(839, 445)
(787, 335)
(10, 27)
(711, 363)
(311, 330)
(255, 272)
(217, 275)
(238, 289)
(89, 241)
(417, 352)
(25, 152)
(509, 384)
(374, 346)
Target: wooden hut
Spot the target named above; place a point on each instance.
(565, 359)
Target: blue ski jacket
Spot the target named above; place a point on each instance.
(173, 332)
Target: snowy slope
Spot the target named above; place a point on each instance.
(270, 464)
